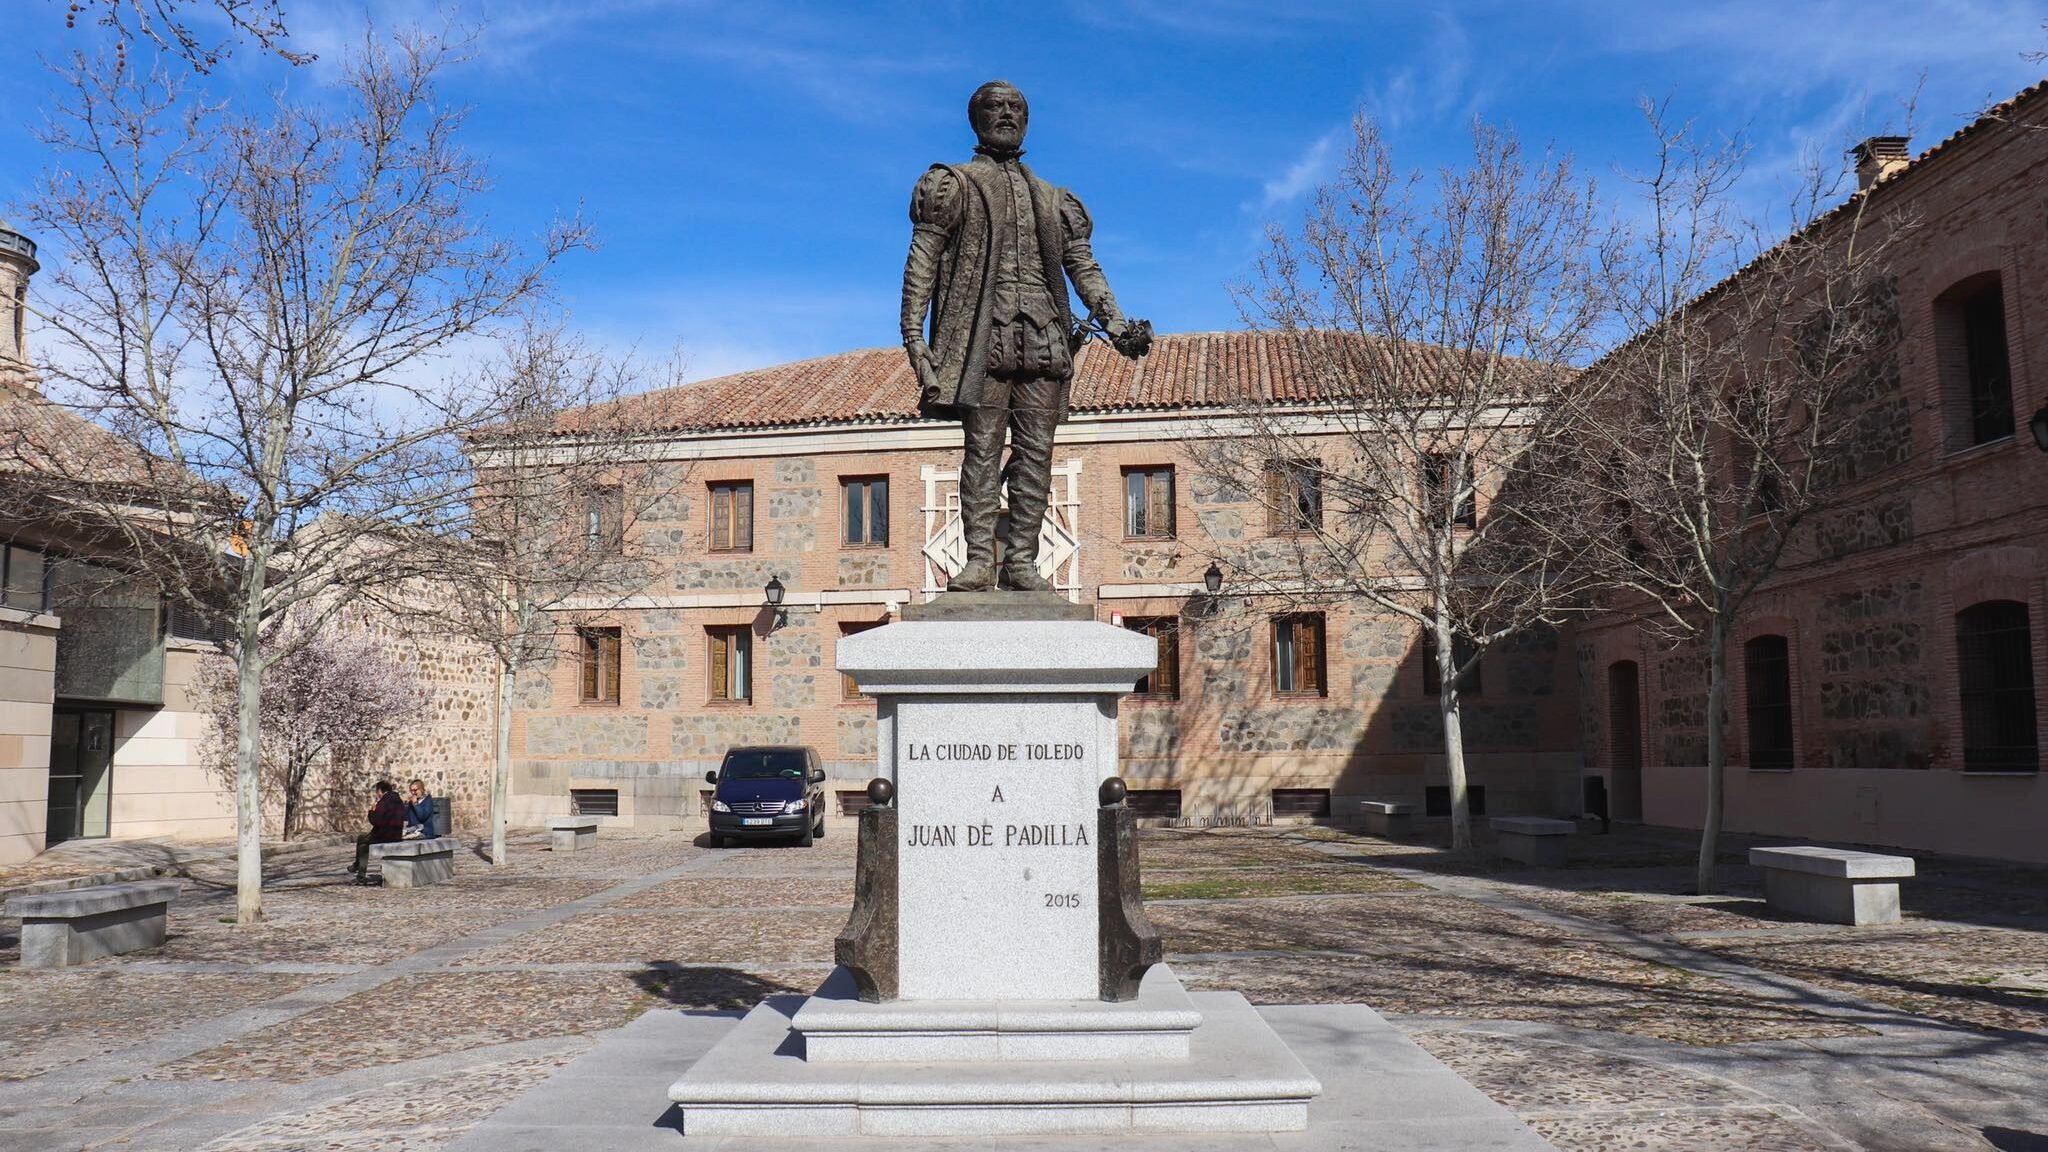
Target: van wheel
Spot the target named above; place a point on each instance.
(804, 840)
(819, 831)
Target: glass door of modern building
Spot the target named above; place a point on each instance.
(81, 773)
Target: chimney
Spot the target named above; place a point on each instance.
(17, 264)
(1879, 157)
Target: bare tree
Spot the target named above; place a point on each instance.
(1743, 405)
(176, 27)
(1433, 318)
(551, 538)
(260, 302)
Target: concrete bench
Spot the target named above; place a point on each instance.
(1383, 818)
(1833, 884)
(569, 833)
(1536, 840)
(415, 863)
(59, 929)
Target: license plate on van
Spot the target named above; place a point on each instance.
(757, 821)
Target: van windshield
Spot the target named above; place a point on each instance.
(764, 765)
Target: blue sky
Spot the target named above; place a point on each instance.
(748, 165)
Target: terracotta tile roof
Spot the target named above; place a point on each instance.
(39, 437)
(1185, 371)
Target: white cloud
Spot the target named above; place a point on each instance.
(1310, 169)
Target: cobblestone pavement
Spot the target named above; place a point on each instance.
(1599, 1001)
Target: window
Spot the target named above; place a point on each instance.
(732, 517)
(1298, 654)
(1995, 674)
(1436, 800)
(593, 801)
(1148, 502)
(1299, 802)
(1972, 358)
(600, 666)
(1462, 650)
(1436, 472)
(1164, 679)
(26, 579)
(1767, 664)
(732, 650)
(849, 688)
(1294, 496)
(1154, 803)
(604, 514)
(867, 511)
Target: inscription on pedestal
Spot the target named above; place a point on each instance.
(997, 851)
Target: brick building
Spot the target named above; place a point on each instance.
(1886, 683)
(820, 476)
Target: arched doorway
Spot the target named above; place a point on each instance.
(1625, 741)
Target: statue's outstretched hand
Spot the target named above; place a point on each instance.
(1133, 338)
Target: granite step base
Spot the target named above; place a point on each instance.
(1238, 1077)
(837, 1027)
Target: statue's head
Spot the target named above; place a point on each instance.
(999, 115)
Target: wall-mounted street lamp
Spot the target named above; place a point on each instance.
(2039, 427)
(773, 593)
(1213, 578)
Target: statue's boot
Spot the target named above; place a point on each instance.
(977, 576)
(1024, 578)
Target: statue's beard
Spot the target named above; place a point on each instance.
(1002, 139)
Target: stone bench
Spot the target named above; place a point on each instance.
(415, 863)
(1536, 840)
(1833, 884)
(569, 833)
(59, 929)
(1383, 818)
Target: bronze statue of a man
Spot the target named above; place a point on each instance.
(991, 249)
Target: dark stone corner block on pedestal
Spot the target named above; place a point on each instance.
(866, 947)
(1130, 944)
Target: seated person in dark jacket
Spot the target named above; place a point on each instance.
(387, 825)
(419, 810)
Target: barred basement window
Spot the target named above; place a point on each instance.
(1995, 674)
(600, 681)
(732, 650)
(1164, 679)
(1767, 664)
(593, 801)
(1154, 803)
(732, 517)
(1310, 802)
(1148, 503)
(1298, 654)
(1436, 800)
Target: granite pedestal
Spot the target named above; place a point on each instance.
(415, 863)
(1837, 885)
(60, 929)
(570, 833)
(1000, 976)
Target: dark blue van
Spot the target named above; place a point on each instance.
(772, 791)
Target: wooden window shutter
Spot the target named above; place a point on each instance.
(743, 517)
(608, 659)
(720, 644)
(1308, 654)
(1162, 504)
(721, 519)
(1168, 672)
(589, 687)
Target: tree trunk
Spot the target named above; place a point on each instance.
(248, 793)
(1454, 735)
(501, 772)
(1717, 750)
